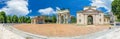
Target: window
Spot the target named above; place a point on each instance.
(104, 20)
(79, 15)
(100, 20)
(100, 14)
(80, 20)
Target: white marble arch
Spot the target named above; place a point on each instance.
(63, 16)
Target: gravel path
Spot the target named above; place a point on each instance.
(59, 30)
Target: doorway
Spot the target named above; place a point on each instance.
(90, 20)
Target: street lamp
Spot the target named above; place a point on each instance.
(112, 19)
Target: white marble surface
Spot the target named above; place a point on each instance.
(111, 35)
(6, 34)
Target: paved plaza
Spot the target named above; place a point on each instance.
(60, 30)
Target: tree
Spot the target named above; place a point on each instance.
(19, 20)
(15, 19)
(116, 8)
(73, 19)
(54, 19)
(8, 19)
(47, 18)
(23, 19)
(2, 17)
(28, 20)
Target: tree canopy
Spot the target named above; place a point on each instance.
(116, 8)
(2, 17)
(73, 19)
(13, 19)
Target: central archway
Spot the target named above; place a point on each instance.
(62, 18)
(90, 20)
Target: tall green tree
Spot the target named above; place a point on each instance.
(54, 19)
(47, 18)
(15, 19)
(23, 19)
(8, 19)
(2, 17)
(28, 20)
(19, 20)
(116, 8)
(73, 19)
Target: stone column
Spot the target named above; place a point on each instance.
(57, 19)
(94, 19)
(34, 21)
(102, 18)
(67, 17)
(84, 22)
(64, 18)
(85, 19)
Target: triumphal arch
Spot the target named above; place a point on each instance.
(63, 16)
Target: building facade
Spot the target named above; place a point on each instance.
(38, 20)
(91, 16)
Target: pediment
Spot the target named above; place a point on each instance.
(90, 11)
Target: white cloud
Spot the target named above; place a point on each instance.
(102, 3)
(16, 7)
(57, 8)
(47, 11)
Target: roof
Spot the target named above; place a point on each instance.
(107, 16)
(63, 11)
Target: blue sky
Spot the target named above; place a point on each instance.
(49, 7)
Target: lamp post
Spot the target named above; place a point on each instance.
(112, 19)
